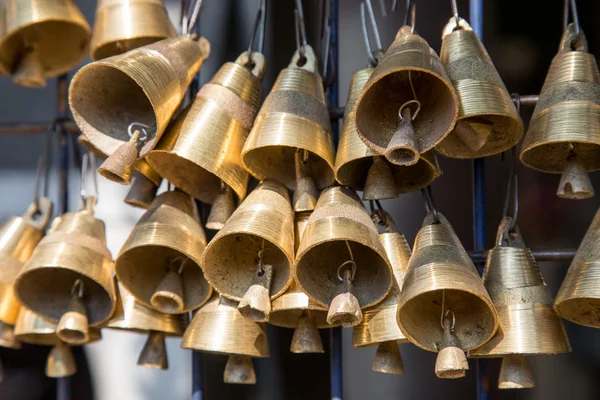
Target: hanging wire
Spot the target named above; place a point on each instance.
(410, 16)
(258, 30)
(382, 7)
(455, 11)
(190, 18)
(77, 288)
(430, 204)
(301, 41)
(349, 266)
(512, 189)
(325, 39)
(374, 55)
(88, 168)
(570, 4)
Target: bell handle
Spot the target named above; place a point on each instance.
(39, 213)
(573, 41)
(308, 61)
(454, 25)
(509, 234)
(257, 64)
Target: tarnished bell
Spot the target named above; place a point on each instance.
(133, 96)
(204, 150)
(160, 260)
(40, 39)
(294, 117)
(410, 77)
(341, 264)
(123, 25)
(361, 168)
(528, 324)
(218, 327)
(564, 132)
(488, 121)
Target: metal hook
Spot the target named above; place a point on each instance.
(258, 35)
(373, 54)
(570, 4)
(140, 127)
(77, 288)
(259, 268)
(379, 215)
(410, 16)
(512, 191)
(300, 29)
(455, 11)
(430, 204)
(178, 260)
(89, 162)
(382, 7)
(189, 20)
(445, 315)
(350, 263)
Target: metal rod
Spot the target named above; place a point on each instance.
(562, 255)
(63, 388)
(198, 378)
(31, 128)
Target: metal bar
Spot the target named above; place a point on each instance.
(198, 375)
(563, 255)
(18, 128)
(63, 388)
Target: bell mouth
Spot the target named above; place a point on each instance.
(403, 156)
(554, 157)
(167, 303)
(72, 336)
(581, 310)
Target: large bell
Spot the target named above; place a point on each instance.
(341, 264)
(356, 164)
(488, 121)
(564, 132)
(132, 316)
(251, 257)
(408, 105)
(205, 149)
(40, 39)
(294, 118)
(218, 327)
(160, 261)
(123, 25)
(528, 324)
(124, 103)
(443, 305)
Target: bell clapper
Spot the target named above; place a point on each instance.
(380, 183)
(388, 359)
(60, 361)
(221, 209)
(30, 71)
(73, 325)
(575, 182)
(154, 353)
(306, 193)
(474, 134)
(256, 303)
(345, 308)
(239, 369)
(118, 167)
(451, 362)
(306, 337)
(515, 373)
(168, 297)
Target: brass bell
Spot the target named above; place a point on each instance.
(41, 39)
(123, 25)
(341, 264)
(488, 121)
(203, 153)
(217, 328)
(159, 264)
(408, 105)
(123, 104)
(563, 133)
(133, 316)
(293, 119)
(360, 168)
(443, 305)
(250, 258)
(528, 324)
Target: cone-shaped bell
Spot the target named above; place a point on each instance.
(354, 161)
(306, 192)
(7, 337)
(488, 121)
(140, 89)
(239, 369)
(123, 25)
(403, 147)
(222, 209)
(154, 353)
(118, 167)
(260, 230)
(142, 192)
(306, 337)
(60, 362)
(410, 70)
(165, 247)
(578, 299)
(565, 123)
(441, 278)
(388, 359)
(451, 362)
(515, 373)
(256, 302)
(293, 117)
(204, 150)
(42, 39)
(73, 325)
(340, 254)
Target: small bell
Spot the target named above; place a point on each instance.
(306, 192)
(388, 359)
(515, 373)
(73, 325)
(222, 208)
(239, 369)
(380, 182)
(403, 147)
(575, 183)
(118, 167)
(60, 362)
(154, 353)
(451, 362)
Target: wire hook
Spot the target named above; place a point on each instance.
(258, 34)
(410, 16)
(301, 41)
(88, 164)
(374, 55)
(350, 263)
(325, 38)
(189, 20)
(572, 6)
(430, 204)
(77, 288)
(455, 11)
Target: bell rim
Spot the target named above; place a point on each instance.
(559, 305)
(526, 150)
(98, 47)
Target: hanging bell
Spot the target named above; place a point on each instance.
(250, 259)
(341, 264)
(160, 261)
(124, 103)
(204, 150)
(408, 104)
(563, 135)
(144, 185)
(488, 121)
(443, 305)
(123, 25)
(294, 118)
(217, 328)
(41, 39)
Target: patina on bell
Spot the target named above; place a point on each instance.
(564, 132)
(218, 327)
(250, 258)
(528, 324)
(408, 105)
(341, 264)
(124, 103)
(443, 305)
(123, 25)
(40, 39)
(159, 263)
(488, 121)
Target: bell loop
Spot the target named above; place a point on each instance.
(77, 288)
(141, 128)
(258, 32)
(349, 269)
(445, 318)
(429, 204)
(300, 28)
(374, 54)
(405, 109)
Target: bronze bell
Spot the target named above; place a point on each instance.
(443, 305)
(293, 119)
(250, 259)
(41, 39)
(341, 264)
(528, 324)
(123, 25)
(488, 121)
(361, 168)
(133, 316)
(218, 327)
(563, 135)
(160, 261)
(124, 103)
(408, 105)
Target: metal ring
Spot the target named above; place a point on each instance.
(445, 315)
(352, 265)
(142, 127)
(77, 288)
(408, 104)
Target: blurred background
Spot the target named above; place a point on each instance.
(520, 36)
